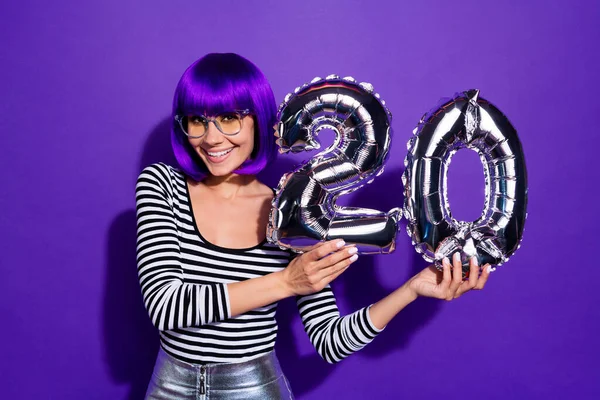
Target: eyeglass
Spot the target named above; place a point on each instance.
(228, 123)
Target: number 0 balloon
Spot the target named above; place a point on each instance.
(466, 121)
(304, 210)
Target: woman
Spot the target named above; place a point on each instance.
(209, 279)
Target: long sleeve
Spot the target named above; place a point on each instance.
(333, 336)
(170, 302)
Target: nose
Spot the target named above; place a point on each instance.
(213, 136)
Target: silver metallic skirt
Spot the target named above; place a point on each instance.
(260, 378)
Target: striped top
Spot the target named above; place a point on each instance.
(184, 281)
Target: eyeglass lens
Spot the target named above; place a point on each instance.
(228, 123)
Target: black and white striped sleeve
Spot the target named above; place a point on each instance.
(334, 337)
(170, 302)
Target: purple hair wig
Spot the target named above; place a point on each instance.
(218, 83)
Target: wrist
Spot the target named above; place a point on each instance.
(283, 287)
(408, 291)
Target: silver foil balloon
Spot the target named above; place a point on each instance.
(304, 210)
(465, 121)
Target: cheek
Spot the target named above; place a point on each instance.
(246, 138)
(252, 144)
(195, 145)
(252, 134)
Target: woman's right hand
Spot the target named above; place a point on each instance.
(314, 269)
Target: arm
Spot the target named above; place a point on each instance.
(173, 303)
(334, 337)
(337, 337)
(430, 283)
(170, 302)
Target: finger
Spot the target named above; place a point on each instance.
(333, 277)
(310, 253)
(487, 269)
(327, 248)
(473, 275)
(446, 274)
(332, 272)
(328, 279)
(446, 278)
(316, 246)
(334, 258)
(473, 272)
(306, 249)
(456, 274)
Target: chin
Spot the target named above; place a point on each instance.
(222, 170)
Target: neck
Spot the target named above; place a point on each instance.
(229, 186)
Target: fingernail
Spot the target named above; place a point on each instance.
(489, 269)
(446, 261)
(456, 256)
(341, 243)
(475, 261)
(352, 250)
(354, 258)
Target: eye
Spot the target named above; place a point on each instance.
(229, 117)
(196, 120)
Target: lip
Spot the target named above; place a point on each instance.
(220, 159)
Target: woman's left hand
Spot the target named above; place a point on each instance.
(448, 284)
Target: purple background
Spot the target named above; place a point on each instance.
(86, 94)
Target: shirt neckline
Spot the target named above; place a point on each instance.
(212, 245)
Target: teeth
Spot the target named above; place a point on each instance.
(218, 154)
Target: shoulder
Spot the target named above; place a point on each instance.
(160, 174)
(265, 190)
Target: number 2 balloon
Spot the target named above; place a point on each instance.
(304, 210)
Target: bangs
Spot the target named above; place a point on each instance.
(214, 92)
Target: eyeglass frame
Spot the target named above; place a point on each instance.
(242, 113)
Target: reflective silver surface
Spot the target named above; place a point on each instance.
(257, 379)
(304, 210)
(465, 121)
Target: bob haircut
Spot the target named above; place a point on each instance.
(219, 83)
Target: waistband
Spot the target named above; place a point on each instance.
(227, 376)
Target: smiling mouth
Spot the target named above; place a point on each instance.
(218, 154)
